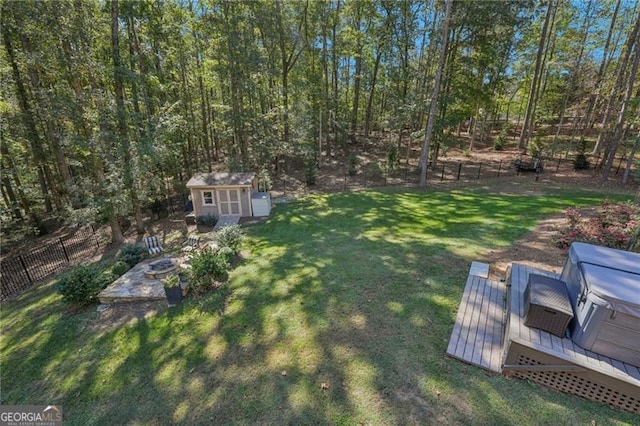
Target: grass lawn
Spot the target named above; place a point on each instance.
(340, 313)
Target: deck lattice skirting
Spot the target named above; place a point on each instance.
(491, 334)
(559, 363)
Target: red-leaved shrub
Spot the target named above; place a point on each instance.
(612, 225)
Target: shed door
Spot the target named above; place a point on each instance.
(229, 202)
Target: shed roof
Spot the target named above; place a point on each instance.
(221, 179)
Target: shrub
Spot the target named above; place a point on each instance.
(374, 170)
(500, 141)
(119, 268)
(393, 157)
(535, 148)
(226, 253)
(353, 165)
(82, 284)
(208, 221)
(132, 254)
(310, 172)
(264, 180)
(207, 268)
(231, 237)
(580, 160)
(612, 225)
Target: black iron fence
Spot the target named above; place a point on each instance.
(20, 272)
(377, 175)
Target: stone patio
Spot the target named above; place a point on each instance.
(135, 286)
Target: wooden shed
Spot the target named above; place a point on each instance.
(222, 194)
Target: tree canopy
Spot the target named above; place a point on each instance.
(109, 105)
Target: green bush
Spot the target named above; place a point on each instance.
(264, 180)
(120, 267)
(226, 253)
(208, 267)
(353, 165)
(231, 237)
(374, 171)
(132, 254)
(310, 172)
(536, 148)
(580, 160)
(500, 141)
(82, 284)
(209, 220)
(393, 157)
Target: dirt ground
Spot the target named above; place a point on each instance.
(535, 249)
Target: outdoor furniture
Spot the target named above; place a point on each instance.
(190, 219)
(192, 243)
(534, 165)
(547, 305)
(153, 245)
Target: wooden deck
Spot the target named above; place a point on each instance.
(489, 332)
(479, 327)
(558, 362)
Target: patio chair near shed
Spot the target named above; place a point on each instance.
(153, 245)
(192, 243)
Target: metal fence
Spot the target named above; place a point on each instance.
(376, 175)
(20, 272)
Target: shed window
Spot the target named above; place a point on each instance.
(207, 198)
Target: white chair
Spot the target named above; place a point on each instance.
(192, 243)
(153, 245)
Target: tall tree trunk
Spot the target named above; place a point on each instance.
(50, 132)
(617, 132)
(574, 72)
(535, 81)
(358, 72)
(325, 73)
(374, 76)
(234, 74)
(12, 201)
(605, 137)
(192, 158)
(206, 145)
(123, 133)
(593, 99)
(335, 61)
(27, 114)
(424, 154)
(630, 160)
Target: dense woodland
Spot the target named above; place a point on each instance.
(109, 105)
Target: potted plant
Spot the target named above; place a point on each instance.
(172, 289)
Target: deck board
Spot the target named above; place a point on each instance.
(479, 327)
(561, 348)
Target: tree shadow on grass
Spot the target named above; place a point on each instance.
(341, 314)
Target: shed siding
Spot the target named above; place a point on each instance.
(199, 209)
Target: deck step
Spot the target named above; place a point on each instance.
(479, 328)
(479, 269)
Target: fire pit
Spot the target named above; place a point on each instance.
(160, 268)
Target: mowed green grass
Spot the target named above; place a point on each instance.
(340, 313)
